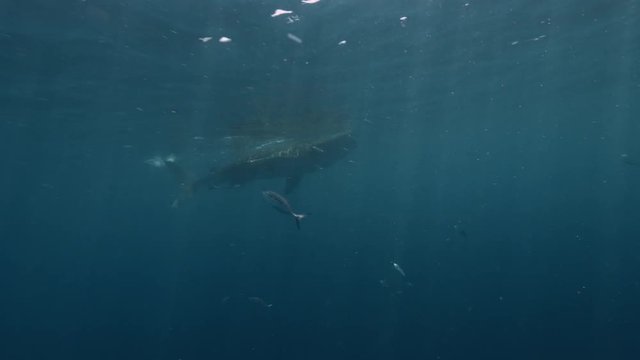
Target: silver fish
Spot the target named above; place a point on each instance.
(281, 204)
(399, 269)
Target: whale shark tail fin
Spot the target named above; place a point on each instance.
(184, 179)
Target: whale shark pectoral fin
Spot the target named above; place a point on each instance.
(291, 183)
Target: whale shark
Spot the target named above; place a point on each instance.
(290, 159)
(279, 157)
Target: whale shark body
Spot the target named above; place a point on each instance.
(281, 158)
(269, 158)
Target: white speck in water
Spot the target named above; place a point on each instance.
(343, 42)
(294, 38)
(224, 39)
(155, 161)
(279, 12)
(293, 18)
(205, 39)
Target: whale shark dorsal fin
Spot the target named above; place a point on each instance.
(291, 183)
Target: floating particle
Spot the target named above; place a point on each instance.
(293, 18)
(224, 39)
(310, 1)
(515, 42)
(343, 42)
(156, 161)
(404, 18)
(279, 12)
(294, 38)
(403, 21)
(205, 39)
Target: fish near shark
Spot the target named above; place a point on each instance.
(281, 204)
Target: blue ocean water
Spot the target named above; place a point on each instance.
(497, 164)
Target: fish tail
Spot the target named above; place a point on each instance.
(298, 218)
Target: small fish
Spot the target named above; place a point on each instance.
(399, 269)
(281, 204)
(259, 301)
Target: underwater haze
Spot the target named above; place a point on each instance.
(486, 205)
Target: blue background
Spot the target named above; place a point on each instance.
(497, 163)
